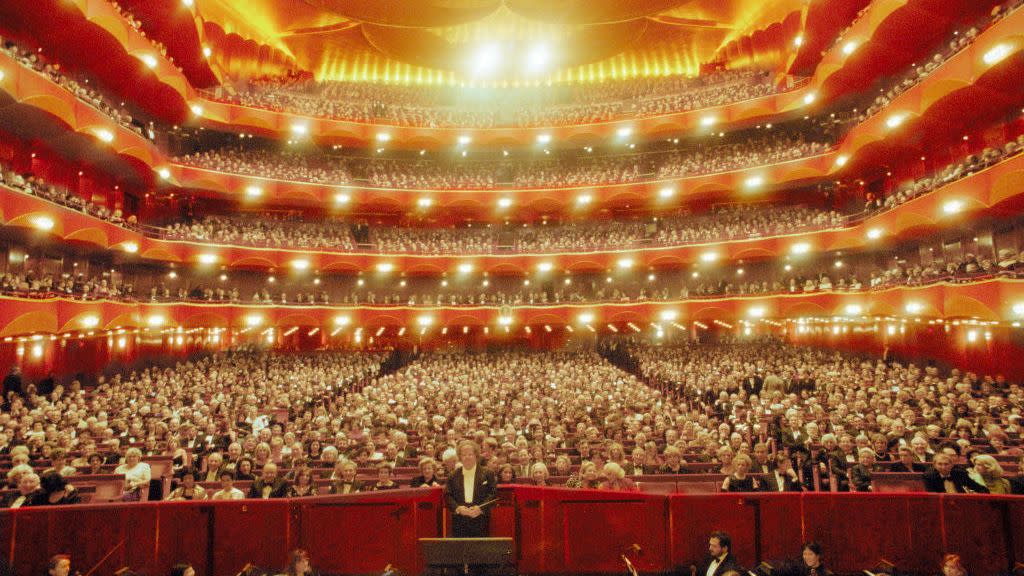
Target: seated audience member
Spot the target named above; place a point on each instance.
(762, 463)
(586, 477)
(812, 563)
(303, 483)
(783, 478)
(227, 487)
(212, 467)
(637, 465)
(720, 559)
(58, 565)
(137, 475)
(953, 566)
(269, 484)
(28, 493)
(298, 564)
(992, 473)
(615, 479)
(740, 480)
(539, 474)
(385, 478)
(347, 483)
(945, 477)
(244, 469)
(862, 473)
(56, 491)
(188, 489)
(906, 461)
(59, 462)
(506, 474)
(426, 477)
(674, 463)
(94, 464)
(1017, 482)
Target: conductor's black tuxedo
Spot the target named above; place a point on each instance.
(485, 489)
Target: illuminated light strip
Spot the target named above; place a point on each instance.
(613, 328)
(381, 331)
(633, 327)
(312, 332)
(401, 332)
(336, 330)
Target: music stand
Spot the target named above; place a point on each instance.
(441, 555)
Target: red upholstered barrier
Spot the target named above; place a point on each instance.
(556, 531)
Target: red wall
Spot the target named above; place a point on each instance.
(555, 531)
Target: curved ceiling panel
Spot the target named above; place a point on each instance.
(402, 13)
(590, 11)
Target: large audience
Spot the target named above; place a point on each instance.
(82, 90)
(759, 148)
(582, 418)
(490, 107)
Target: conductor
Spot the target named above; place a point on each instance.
(471, 489)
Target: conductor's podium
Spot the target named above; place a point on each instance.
(549, 530)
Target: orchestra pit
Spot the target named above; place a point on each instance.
(503, 287)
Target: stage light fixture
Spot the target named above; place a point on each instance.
(850, 47)
(953, 206)
(44, 223)
(996, 54)
(149, 60)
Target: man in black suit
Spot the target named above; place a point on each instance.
(470, 491)
(720, 559)
(269, 485)
(347, 484)
(943, 477)
(783, 478)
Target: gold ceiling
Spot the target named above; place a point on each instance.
(494, 41)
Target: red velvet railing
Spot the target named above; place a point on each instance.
(555, 531)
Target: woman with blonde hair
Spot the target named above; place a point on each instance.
(992, 473)
(615, 479)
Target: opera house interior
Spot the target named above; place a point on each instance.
(401, 287)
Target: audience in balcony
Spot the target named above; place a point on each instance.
(36, 60)
(484, 107)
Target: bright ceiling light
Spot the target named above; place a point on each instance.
(810, 97)
(342, 320)
(105, 135)
(708, 121)
(895, 120)
(206, 51)
(1018, 309)
(505, 320)
(465, 268)
(149, 60)
(756, 312)
(424, 202)
(538, 58)
(849, 47)
(801, 248)
(853, 309)
(253, 320)
(914, 307)
(342, 198)
(667, 192)
(543, 138)
(300, 264)
(625, 263)
(486, 60)
(584, 199)
(385, 267)
(504, 202)
(953, 206)
(841, 160)
(996, 53)
(874, 233)
(90, 321)
(624, 132)
(383, 137)
(155, 320)
(164, 173)
(754, 182)
(253, 191)
(44, 223)
(586, 318)
(188, 3)
(2, 75)
(300, 129)
(709, 256)
(207, 258)
(130, 247)
(425, 320)
(669, 315)
(545, 266)
(798, 41)
(196, 109)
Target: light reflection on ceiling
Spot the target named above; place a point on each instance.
(494, 42)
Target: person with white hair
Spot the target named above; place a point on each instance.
(615, 479)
